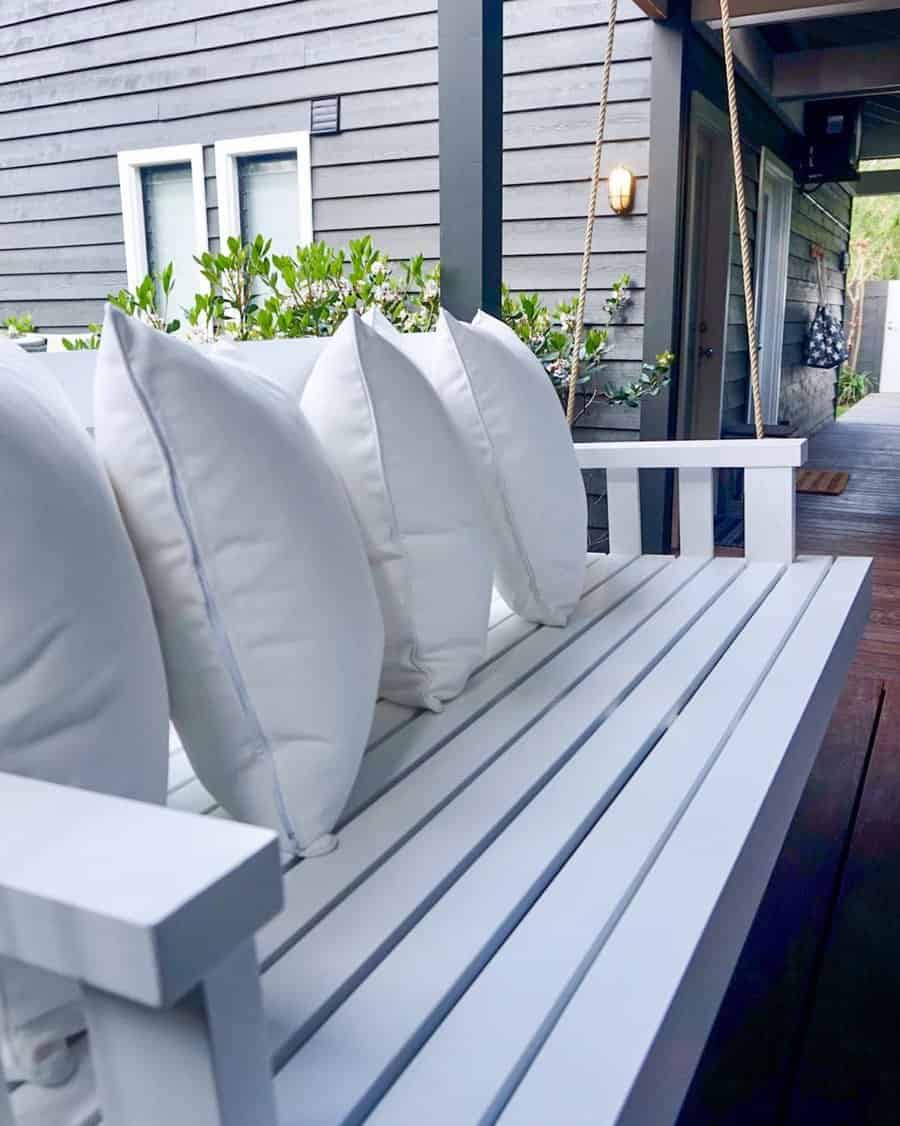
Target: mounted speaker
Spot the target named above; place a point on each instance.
(833, 133)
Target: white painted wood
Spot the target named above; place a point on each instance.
(430, 730)
(493, 1031)
(890, 356)
(695, 512)
(749, 12)
(6, 1111)
(463, 930)
(193, 797)
(772, 247)
(623, 500)
(719, 454)
(505, 630)
(227, 153)
(131, 898)
(629, 599)
(770, 506)
(73, 1104)
(361, 929)
(207, 1053)
(493, 857)
(130, 165)
(701, 894)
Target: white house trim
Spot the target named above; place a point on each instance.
(773, 237)
(130, 165)
(227, 153)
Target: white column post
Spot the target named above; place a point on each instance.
(623, 505)
(695, 511)
(204, 1061)
(769, 514)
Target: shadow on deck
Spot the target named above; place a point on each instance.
(808, 1032)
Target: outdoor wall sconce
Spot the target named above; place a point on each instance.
(621, 190)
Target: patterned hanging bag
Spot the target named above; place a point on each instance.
(826, 344)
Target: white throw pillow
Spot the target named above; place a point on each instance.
(507, 413)
(82, 690)
(270, 627)
(417, 500)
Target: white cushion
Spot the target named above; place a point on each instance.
(82, 691)
(507, 413)
(285, 362)
(269, 622)
(418, 503)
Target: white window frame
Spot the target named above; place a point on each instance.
(131, 187)
(227, 154)
(773, 240)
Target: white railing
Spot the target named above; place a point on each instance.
(154, 913)
(769, 494)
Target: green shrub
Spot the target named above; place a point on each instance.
(88, 343)
(19, 324)
(253, 294)
(852, 386)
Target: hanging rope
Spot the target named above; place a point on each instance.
(592, 213)
(746, 270)
(738, 162)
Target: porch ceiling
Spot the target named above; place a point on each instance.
(796, 51)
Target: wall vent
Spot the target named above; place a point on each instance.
(325, 115)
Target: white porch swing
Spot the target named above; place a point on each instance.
(540, 893)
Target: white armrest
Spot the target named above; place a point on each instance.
(780, 453)
(769, 503)
(134, 899)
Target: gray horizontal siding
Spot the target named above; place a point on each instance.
(80, 81)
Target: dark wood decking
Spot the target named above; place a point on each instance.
(809, 1032)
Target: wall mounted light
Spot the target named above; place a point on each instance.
(621, 190)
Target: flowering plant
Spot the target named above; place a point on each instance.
(254, 294)
(550, 334)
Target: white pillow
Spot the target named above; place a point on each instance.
(269, 622)
(507, 413)
(82, 691)
(418, 503)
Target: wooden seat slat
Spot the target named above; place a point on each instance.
(428, 970)
(679, 938)
(306, 984)
(371, 837)
(507, 629)
(396, 756)
(498, 1024)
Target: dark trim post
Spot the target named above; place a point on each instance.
(668, 134)
(470, 52)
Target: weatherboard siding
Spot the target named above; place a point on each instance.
(82, 80)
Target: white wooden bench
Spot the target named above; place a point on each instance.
(539, 894)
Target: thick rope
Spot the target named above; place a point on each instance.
(746, 270)
(592, 213)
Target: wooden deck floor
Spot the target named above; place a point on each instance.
(808, 1033)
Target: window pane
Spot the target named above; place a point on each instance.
(270, 202)
(169, 221)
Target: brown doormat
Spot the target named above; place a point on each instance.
(828, 482)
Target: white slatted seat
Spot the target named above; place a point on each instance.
(539, 894)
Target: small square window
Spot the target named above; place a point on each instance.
(265, 188)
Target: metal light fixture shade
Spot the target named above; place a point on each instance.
(621, 190)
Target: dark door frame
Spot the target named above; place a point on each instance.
(665, 206)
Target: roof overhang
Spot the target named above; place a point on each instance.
(743, 12)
